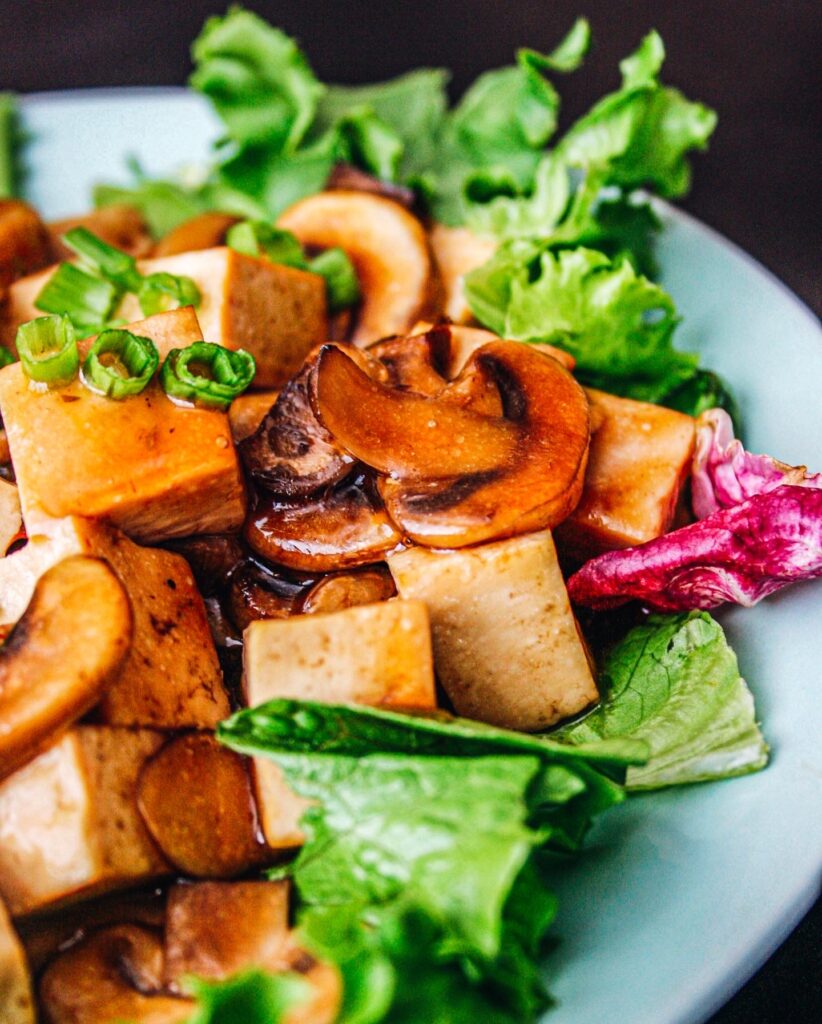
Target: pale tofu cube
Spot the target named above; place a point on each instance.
(216, 929)
(377, 654)
(143, 464)
(10, 516)
(507, 648)
(16, 1001)
(171, 677)
(276, 313)
(69, 823)
(458, 251)
(639, 458)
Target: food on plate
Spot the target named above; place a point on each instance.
(319, 478)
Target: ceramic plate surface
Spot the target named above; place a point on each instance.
(682, 894)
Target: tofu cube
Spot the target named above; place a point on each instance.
(143, 464)
(507, 649)
(639, 458)
(276, 313)
(10, 517)
(69, 823)
(171, 678)
(378, 654)
(16, 1001)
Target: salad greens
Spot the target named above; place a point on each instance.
(10, 137)
(674, 683)
(252, 997)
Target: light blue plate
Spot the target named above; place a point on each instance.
(683, 894)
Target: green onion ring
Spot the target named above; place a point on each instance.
(48, 352)
(230, 373)
(136, 357)
(159, 292)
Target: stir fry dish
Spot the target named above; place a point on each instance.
(360, 525)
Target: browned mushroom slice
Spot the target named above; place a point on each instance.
(25, 244)
(419, 362)
(248, 411)
(212, 557)
(195, 798)
(260, 592)
(344, 527)
(205, 231)
(352, 179)
(342, 590)
(404, 433)
(71, 640)
(290, 453)
(115, 974)
(119, 224)
(535, 484)
(387, 246)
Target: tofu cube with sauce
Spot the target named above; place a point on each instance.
(143, 464)
(378, 654)
(69, 824)
(639, 458)
(16, 1000)
(507, 648)
(171, 678)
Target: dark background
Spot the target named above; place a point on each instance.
(757, 62)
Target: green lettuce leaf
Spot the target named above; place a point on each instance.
(705, 390)
(10, 146)
(616, 323)
(674, 682)
(252, 997)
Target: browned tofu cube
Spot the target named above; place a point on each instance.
(276, 313)
(377, 654)
(25, 244)
(10, 518)
(640, 456)
(143, 464)
(119, 224)
(16, 1001)
(506, 645)
(69, 823)
(171, 677)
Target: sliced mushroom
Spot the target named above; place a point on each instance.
(115, 974)
(344, 527)
(290, 453)
(534, 485)
(248, 411)
(457, 251)
(259, 591)
(419, 362)
(352, 179)
(401, 432)
(119, 224)
(25, 243)
(212, 557)
(72, 640)
(195, 798)
(342, 590)
(205, 231)
(388, 247)
(16, 1003)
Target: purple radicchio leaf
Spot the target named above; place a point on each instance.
(739, 554)
(724, 474)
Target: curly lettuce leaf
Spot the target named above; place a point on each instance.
(252, 997)
(10, 146)
(705, 390)
(674, 683)
(738, 554)
(616, 323)
(724, 473)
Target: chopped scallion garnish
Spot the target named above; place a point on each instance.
(113, 264)
(48, 352)
(120, 364)
(342, 287)
(256, 237)
(206, 374)
(87, 300)
(159, 292)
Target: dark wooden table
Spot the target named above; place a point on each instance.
(755, 61)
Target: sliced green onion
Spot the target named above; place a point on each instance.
(341, 284)
(48, 352)
(159, 292)
(113, 264)
(6, 358)
(120, 364)
(88, 301)
(207, 374)
(253, 237)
